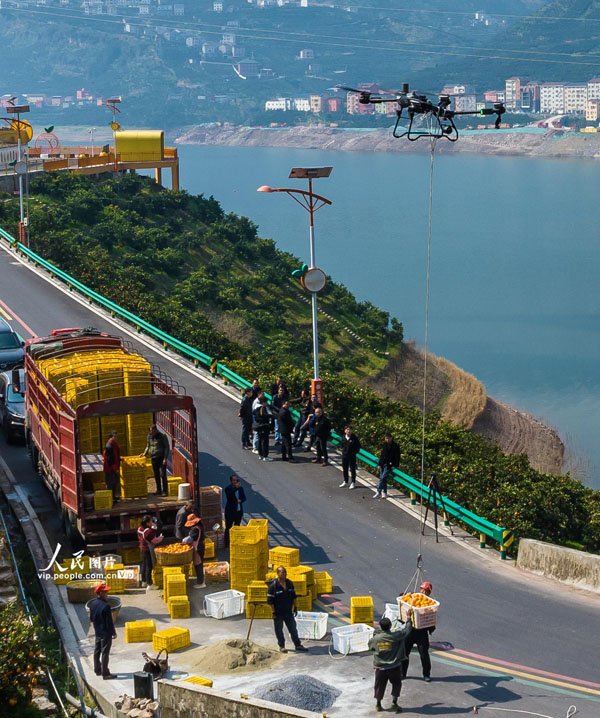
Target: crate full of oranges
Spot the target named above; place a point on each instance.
(424, 609)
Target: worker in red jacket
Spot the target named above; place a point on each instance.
(112, 464)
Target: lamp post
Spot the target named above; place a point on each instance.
(313, 279)
(20, 166)
(91, 131)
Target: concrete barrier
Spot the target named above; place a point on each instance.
(566, 565)
(187, 700)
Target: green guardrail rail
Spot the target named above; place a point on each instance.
(501, 535)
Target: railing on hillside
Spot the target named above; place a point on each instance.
(502, 536)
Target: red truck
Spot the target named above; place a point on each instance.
(54, 430)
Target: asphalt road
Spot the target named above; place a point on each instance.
(488, 607)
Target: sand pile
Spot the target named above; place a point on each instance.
(233, 654)
(300, 691)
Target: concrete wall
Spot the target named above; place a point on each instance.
(186, 700)
(563, 564)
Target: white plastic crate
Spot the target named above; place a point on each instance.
(311, 624)
(424, 617)
(392, 611)
(224, 604)
(352, 639)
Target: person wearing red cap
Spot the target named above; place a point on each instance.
(104, 629)
(420, 638)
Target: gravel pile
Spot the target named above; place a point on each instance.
(300, 691)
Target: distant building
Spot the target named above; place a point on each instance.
(492, 95)
(217, 7)
(248, 68)
(352, 103)
(316, 104)
(466, 102)
(334, 104)
(552, 97)
(301, 104)
(281, 103)
(307, 54)
(530, 97)
(512, 97)
(593, 88)
(592, 110)
(575, 99)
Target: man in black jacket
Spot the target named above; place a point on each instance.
(245, 414)
(322, 428)
(388, 461)
(286, 426)
(350, 448)
(276, 404)
(234, 505)
(104, 629)
(281, 596)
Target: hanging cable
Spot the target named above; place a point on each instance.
(432, 143)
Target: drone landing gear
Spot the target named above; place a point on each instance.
(441, 127)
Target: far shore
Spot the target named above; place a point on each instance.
(551, 143)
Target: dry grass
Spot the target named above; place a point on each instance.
(467, 397)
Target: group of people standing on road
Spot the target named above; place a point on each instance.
(259, 419)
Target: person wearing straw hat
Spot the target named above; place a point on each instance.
(196, 540)
(388, 648)
(104, 630)
(420, 638)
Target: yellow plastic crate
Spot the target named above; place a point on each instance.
(304, 603)
(131, 576)
(103, 500)
(179, 607)
(256, 591)
(115, 578)
(209, 549)
(313, 592)
(131, 555)
(245, 565)
(270, 575)
(157, 575)
(299, 581)
(263, 524)
(284, 556)
(175, 585)
(139, 631)
(323, 582)
(199, 681)
(307, 571)
(244, 534)
(173, 484)
(261, 610)
(361, 609)
(171, 571)
(173, 639)
(249, 550)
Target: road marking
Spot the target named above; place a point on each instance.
(521, 674)
(524, 681)
(528, 668)
(5, 314)
(5, 309)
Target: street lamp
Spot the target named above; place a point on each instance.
(314, 279)
(91, 131)
(20, 165)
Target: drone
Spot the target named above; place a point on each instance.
(417, 103)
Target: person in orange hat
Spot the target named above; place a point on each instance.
(420, 638)
(196, 540)
(104, 629)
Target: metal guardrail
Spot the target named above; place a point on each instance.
(502, 536)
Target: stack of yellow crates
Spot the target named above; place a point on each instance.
(134, 481)
(171, 571)
(175, 585)
(249, 552)
(179, 606)
(87, 376)
(284, 556)
(114, 578)
(256, 600)
(361, 609)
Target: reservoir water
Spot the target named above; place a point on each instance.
(515, 261)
